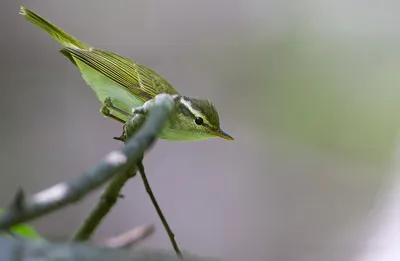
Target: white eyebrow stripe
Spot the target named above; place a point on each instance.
(188, 105)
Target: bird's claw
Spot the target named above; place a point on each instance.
(105, 111)
(123, 136)
(107, 102)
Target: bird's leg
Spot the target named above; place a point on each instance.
(108, 104)
(134, 124)
(106, 112)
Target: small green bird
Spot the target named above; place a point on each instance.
(126, 85)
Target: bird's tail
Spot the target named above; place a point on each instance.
(59, 35)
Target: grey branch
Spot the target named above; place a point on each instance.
(106, 202)
(112, 192)
(113, 164)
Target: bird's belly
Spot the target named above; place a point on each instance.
(106, 88)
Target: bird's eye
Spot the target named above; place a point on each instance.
(198, 120)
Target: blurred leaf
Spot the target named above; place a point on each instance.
(24, 231)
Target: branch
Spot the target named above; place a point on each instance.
(129, 238)
(114, 163)
(28, 250)
(107, 200)
(112, 192)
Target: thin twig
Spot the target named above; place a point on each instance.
(113, 164)
(158, 209)
(129, 238)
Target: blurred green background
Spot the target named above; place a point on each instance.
(309, 89)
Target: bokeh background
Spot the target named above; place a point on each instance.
(309, 89)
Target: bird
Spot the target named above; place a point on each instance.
(122, 84)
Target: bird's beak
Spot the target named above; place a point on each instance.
(222, 134)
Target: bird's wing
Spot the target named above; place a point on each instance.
(137, 79)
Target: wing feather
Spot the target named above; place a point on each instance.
(137, 79)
